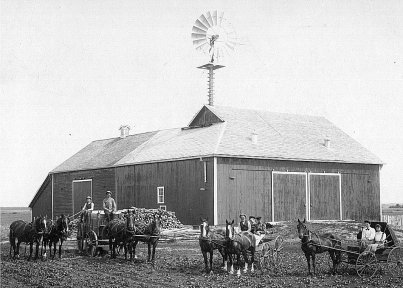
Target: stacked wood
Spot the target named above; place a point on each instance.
(167, 218)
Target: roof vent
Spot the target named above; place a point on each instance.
(124, 131)
(254, 137)
(327, 142)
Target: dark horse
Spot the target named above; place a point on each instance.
(120, 231)
(28, 233)
(237, 244)
(57, 232)
(147, 233)
(210, 241)
(312, 244)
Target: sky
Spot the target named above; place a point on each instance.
(72, 72)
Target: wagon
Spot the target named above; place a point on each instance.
(91, 233)
(367, 263)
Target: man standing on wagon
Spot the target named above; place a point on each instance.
(109, 206)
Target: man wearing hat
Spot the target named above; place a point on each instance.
(109, 206)
(244, 225)
(87, 208)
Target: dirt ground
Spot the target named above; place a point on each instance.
(180, 264)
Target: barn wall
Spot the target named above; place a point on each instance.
(102, 180)
(182, 182)
(244, 185)
(43, 203)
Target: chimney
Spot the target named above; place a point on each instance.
(254, 137)
(124, 131)
(327, 142)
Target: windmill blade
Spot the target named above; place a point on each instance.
(209, 19)
(215, 17)
(199, 41)
(220, 18)
(201, 46)
(196, 29)
(198, 36)
(230, 46)
(200, 25)
(204, 21)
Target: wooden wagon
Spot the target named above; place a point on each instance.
(366, 262)
(91, 233)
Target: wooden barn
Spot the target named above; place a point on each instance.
(226, 161)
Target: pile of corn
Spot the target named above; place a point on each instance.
(167, 218)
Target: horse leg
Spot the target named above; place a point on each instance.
(17, 253)
(30, 250)
(313, 263)
(211, 260)
(54, 249)
(308, 260)
(37, 249)
(231, 263)
(238, 263)
(60, 248)
(252, 269)
(245, 257)
(205, 260)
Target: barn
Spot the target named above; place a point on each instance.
(224, 162)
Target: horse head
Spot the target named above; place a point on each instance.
(63, 224)
(156, 225)
(40, 224)
(302, 230)
(204, 227)
(130, 227)
(229, 229)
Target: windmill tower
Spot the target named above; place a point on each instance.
(213, 35)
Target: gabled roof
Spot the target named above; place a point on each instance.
(227, 132)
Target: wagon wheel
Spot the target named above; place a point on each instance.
(278, 247)
(91, 241)
(265, 255)
(395, 261)
(80, 238)
(366, 265)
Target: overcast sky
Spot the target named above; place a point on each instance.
(73, 71)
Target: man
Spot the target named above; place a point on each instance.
(87, 208)
(253, 222)
(109, 206)
(260, 227)
(368, 233)
(244, 225)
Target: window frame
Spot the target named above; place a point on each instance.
(161, 188)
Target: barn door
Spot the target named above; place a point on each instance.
(81, 189)
(324, 196)
(289, 196)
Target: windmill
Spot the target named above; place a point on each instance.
(214, 36)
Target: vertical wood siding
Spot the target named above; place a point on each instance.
(102, 180)
(289, 196)
(324, 197)
(43, 204)
(360, 187)
(186, 193)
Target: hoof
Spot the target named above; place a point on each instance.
(252, 270)
(211, 272)
(238, 273)
(231, 272)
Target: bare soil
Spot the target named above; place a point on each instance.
(179, 263)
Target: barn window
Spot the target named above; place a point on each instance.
(163, 207)
(160, 195)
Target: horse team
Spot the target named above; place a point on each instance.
(122, 232)
(126, 233)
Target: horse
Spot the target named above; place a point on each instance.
(210, 241)
(27, 232)
(312, 244)
(57, 232)
(147, 233)
(120, 231)
(238, 244)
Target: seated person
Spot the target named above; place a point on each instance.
(109, 206)
(253, 222)
(379, 239)
(260, 227)
(367, 233)
(244, 224)
(87, 208)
